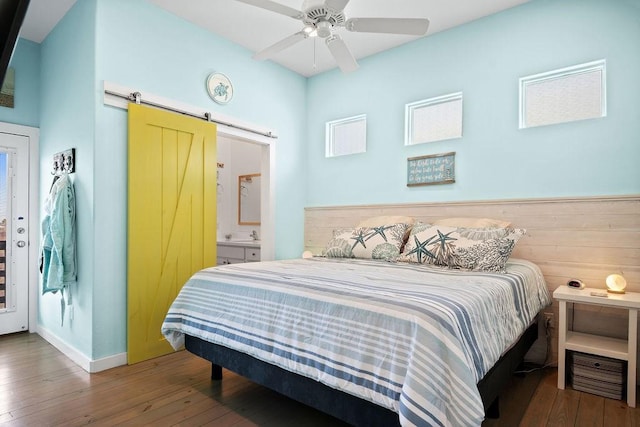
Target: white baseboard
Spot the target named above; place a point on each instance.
(89, 365)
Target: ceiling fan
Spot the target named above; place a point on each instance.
(322, 17)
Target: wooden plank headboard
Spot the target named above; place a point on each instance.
(586, 238)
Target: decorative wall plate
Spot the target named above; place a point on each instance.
(220, 88)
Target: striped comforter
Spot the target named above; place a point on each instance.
(411, 338)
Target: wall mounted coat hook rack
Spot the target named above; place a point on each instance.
(64, 162)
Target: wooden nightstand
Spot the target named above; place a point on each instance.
(594, 344)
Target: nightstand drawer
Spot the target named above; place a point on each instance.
(252, 254)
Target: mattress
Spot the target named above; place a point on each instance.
(411, 338)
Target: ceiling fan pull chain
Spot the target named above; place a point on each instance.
(314, 52)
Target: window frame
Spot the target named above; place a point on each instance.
(330, 127)
(574, 70)
(437, 100)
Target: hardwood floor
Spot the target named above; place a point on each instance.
(41, 387)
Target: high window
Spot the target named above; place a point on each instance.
(346, 136)
(565, 95)
(434, 119)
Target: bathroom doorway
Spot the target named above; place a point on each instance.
(237, 160)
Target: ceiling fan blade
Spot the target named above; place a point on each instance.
(336, 5)
(281, 45)
(341, 54)
(275, 7)
(411, 26)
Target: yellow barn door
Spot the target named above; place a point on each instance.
(172, 218)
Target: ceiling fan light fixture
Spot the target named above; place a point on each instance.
(310, 31)
(324, 29)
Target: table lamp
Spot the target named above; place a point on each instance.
(616, 284)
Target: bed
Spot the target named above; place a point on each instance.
(369, 341)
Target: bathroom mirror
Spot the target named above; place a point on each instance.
(249, 199)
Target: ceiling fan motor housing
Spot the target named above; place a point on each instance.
(322, 18)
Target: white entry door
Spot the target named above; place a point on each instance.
(14, 241)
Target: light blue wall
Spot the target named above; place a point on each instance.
(144, 47)
(26, 62)
(98, 41)
(494, 159)
(133, 43)
(67, 109)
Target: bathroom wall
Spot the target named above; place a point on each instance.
(239, 158)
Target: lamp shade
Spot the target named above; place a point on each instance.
(616, 284)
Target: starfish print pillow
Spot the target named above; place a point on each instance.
(382, 242)
(476, 249)
(341, 244)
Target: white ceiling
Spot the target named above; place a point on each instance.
(256, 29)
(42, 16)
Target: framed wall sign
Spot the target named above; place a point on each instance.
(431, 170)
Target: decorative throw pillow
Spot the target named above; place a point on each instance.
(381, 242)
(341, 244)
(477, 249)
